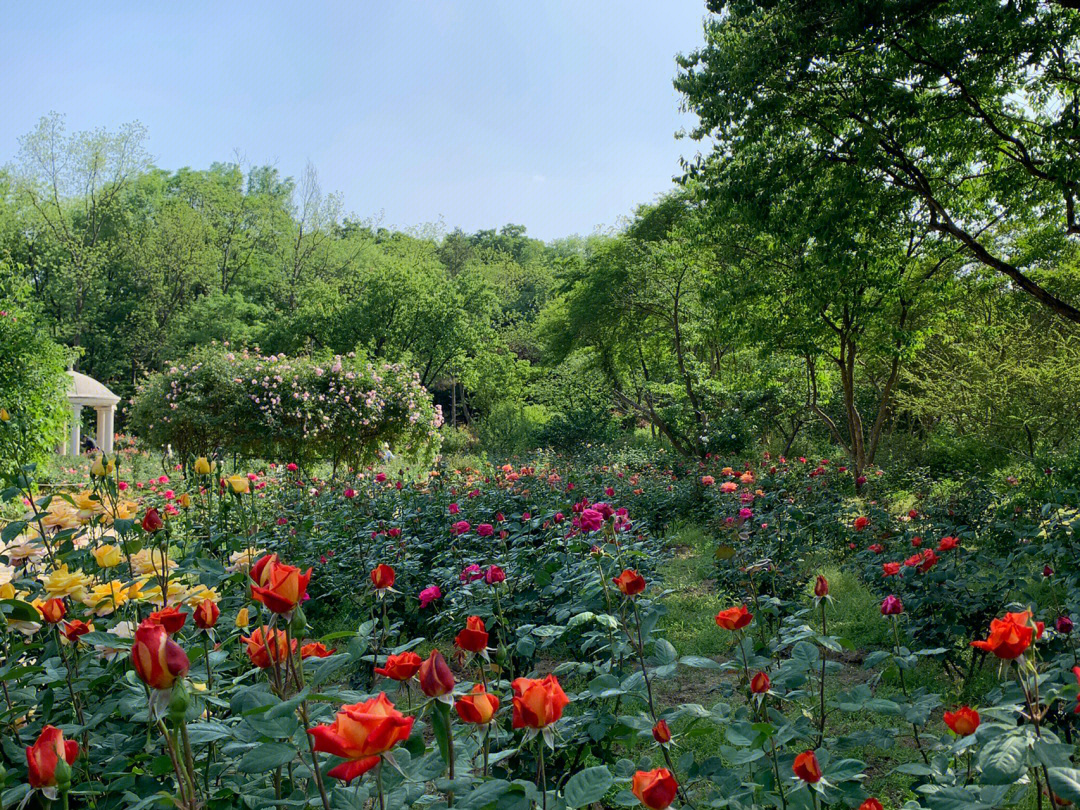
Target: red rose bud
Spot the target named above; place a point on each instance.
(477, 707)
(152, 521)
(170, 618)
(963, 721)
(630, 582)
(661, 732)
(44, 758)
(760, 683)
(435, 676)
(806, 767)
(400, 667)
(206, 614)
(821, 587)
(158, 660)
(474, 637)
(892, 606)
(655, 789)
(382, 577)
(1064, 625)
(53, 611)
(1048, 571)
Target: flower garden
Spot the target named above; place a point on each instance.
(501, 637)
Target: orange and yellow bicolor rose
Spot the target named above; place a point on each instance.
(360, 733)
(44, 756)
(538, 702)
(278, 586)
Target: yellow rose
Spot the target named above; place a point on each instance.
(104, 599)
(199, 593)
(7, 591)
(242, 618)
(151, 562)
(184, 500)
(4, 415)
(239, 484)
(204, 467)
(61, 583)
(107, 556)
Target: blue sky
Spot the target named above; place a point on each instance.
(556, 115)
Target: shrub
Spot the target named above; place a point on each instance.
(305, 409)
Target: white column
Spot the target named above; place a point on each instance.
(100, 437)
(76, 429)
(106, 438)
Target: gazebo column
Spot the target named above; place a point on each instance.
(105, 427)
(76, 429)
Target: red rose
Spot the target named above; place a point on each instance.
(655, 789)
(963, 721)
(43, 757)
(152, 521)
(280, 587)
(206, 614)
(170, 618)
(400, 667)
(158, 660)
(806, 767)
(890, 569)
(360, 733)
(1010, 637)
(734, 618)
(760, 683)
(630, 582)
(382, 577)
(821, 587)
(53, 611)
(861, 523)
(661, 732)
(474, 637)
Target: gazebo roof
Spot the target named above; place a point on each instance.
(85, 390)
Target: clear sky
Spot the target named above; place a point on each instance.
(559, 116)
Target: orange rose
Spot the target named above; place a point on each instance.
(265, 649)
(158, 660)
(400, 667)
(477, 706)
(315, 650)
(655, 789)
(538, 703)
(53, 611)
(963, 721)
(360, 733)
(170, 618)
(382, 577)
(280, 587)
(806, 767)
(630, 582)
(474, 637)
(734, 618)
(1010, 637)
(44, 756)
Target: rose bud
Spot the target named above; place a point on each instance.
(152, 521)
(243, 618)
(1048, 571)
(661, 732)
(44, 758)
(477, 706)
(158, 660)
(170, 618)
(435, 677)
(280, 587)
(315, 650)
(400, 667)
(206, 614)
(494, 575)
(1064, 625)
(53, 611)
(265, 649)
(538, 703)
(655, 789)
(821, 587)
(382, 577)
(760, 683)
(892, 606)
(474, 637)
(963, 721)
(871, 804)
(630, 582)
(734, 618)
(806, 767)
(359, 734)
(76, 628)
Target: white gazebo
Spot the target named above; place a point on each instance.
(88, 392)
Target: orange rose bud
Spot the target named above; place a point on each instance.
(400, 667)
(170, 618)
(661, 732)
(734, 618)
(280, 587)
(152, 521)
(74, 629)
(158, 660)
(1010, 637)
(435, 677)
(538, 703)
(477, 706)
(963, 721)
(315, 650)
(382, 577)
(474, 637)
(265, 648)
(806, 767)
(655, 789)
(630, 582)
(821, 587)
(206, 614)
(53, 611)
(760, 683)
(871, 804)
(360, 733)
(43, 757)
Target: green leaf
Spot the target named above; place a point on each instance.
(20, 611)
(266, 757)
(485, 793)
(587, 786)
(1003, 760)
(1065, 782)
